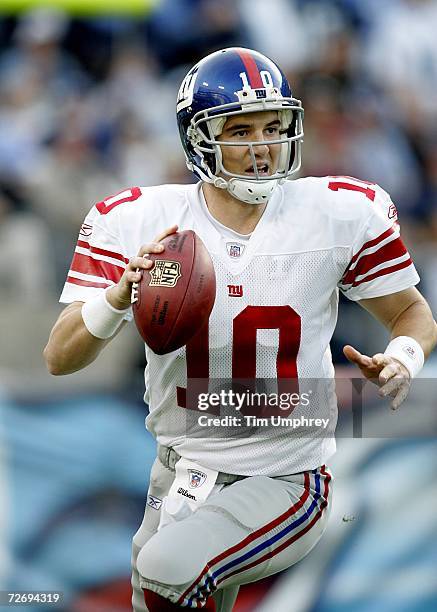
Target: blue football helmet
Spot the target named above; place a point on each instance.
(231, 82)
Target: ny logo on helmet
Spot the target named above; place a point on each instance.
(186, 90)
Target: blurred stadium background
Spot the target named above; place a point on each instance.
(87, 93)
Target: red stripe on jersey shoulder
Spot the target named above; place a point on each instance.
(384, 271)
(384, 254)
(84, 283)
(97, 267)
(97, 251)
(251, 69)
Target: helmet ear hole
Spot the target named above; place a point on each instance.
(193, 146)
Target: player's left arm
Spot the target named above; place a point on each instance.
(406, 314)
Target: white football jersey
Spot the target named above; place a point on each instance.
(275, 308)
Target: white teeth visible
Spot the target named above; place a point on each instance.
(259, 169)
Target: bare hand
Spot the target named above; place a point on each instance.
(392, 376)
(119, 295)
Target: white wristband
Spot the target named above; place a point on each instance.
(101, 318)
(409, 352)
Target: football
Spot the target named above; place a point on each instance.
(175, 297)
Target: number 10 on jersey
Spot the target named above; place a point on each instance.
(244, 343)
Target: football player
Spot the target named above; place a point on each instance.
(228, 508)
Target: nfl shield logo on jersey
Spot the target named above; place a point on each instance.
(235, 249)
(197, 478)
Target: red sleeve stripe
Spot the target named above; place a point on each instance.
(84, 283)
(371, 243)
(391, 250)
(88, 265)
(97, 251)
(384, 271)
(251, 69)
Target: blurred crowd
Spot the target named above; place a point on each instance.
(87, 109)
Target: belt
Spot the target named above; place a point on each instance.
(169, 457)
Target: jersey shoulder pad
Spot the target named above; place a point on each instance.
(348, 198)
(131, 194)
(137, 197)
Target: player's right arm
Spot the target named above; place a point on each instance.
(71, 346)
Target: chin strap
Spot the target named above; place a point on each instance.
(219, 182)
(252, 192)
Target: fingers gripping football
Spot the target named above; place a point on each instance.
(141, 262)
(120, 295)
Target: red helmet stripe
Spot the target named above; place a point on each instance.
(251, 69)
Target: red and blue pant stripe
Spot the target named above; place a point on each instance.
(285, 531)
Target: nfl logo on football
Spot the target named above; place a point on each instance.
(235, 249)
(165, 273)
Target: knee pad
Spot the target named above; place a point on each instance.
(176, 554)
